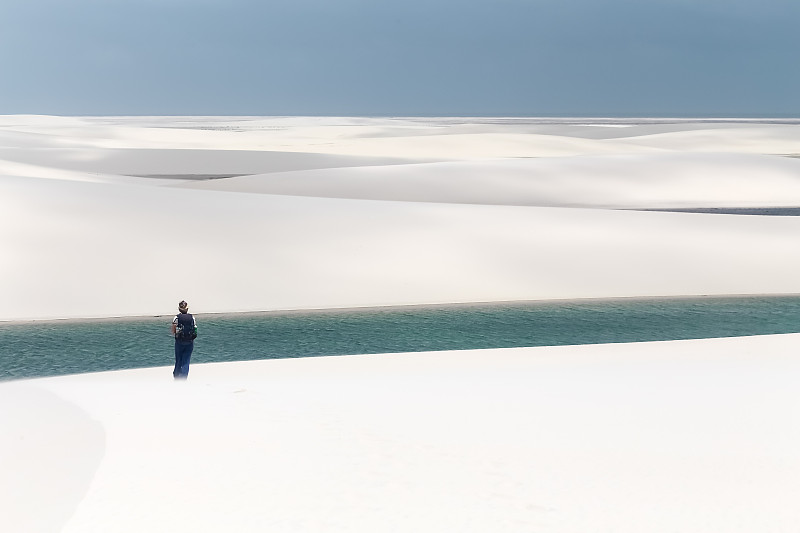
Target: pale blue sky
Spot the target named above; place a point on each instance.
(410, 57)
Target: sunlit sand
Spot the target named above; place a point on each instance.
(98, 214)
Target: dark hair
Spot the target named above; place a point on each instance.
(183, 306)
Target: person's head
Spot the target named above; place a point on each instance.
(183, 306)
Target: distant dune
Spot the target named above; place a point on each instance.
(98, 214)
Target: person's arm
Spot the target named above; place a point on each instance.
(174, 326)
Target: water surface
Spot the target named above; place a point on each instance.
(73, 346)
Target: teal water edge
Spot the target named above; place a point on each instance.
(37, 349)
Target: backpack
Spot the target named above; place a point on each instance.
(185, 329)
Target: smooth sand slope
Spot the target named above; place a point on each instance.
(666, 180)
(337, 212)
(662, 437)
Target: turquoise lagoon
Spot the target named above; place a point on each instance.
(45, 348)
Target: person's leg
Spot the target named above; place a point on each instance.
(177, 369)
(185, 358)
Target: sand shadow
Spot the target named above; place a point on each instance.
(50, 450)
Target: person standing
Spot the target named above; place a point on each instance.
(184, 329)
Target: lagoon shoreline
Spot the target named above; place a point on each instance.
(402, 307)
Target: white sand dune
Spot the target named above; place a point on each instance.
(615, 181)
(773, 139)
(663, 437)
(98, 249)
(13, 168)
(340, 212)
(79, 232)
(185, 162)
(431, 138)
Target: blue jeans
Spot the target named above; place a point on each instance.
(183, 353)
